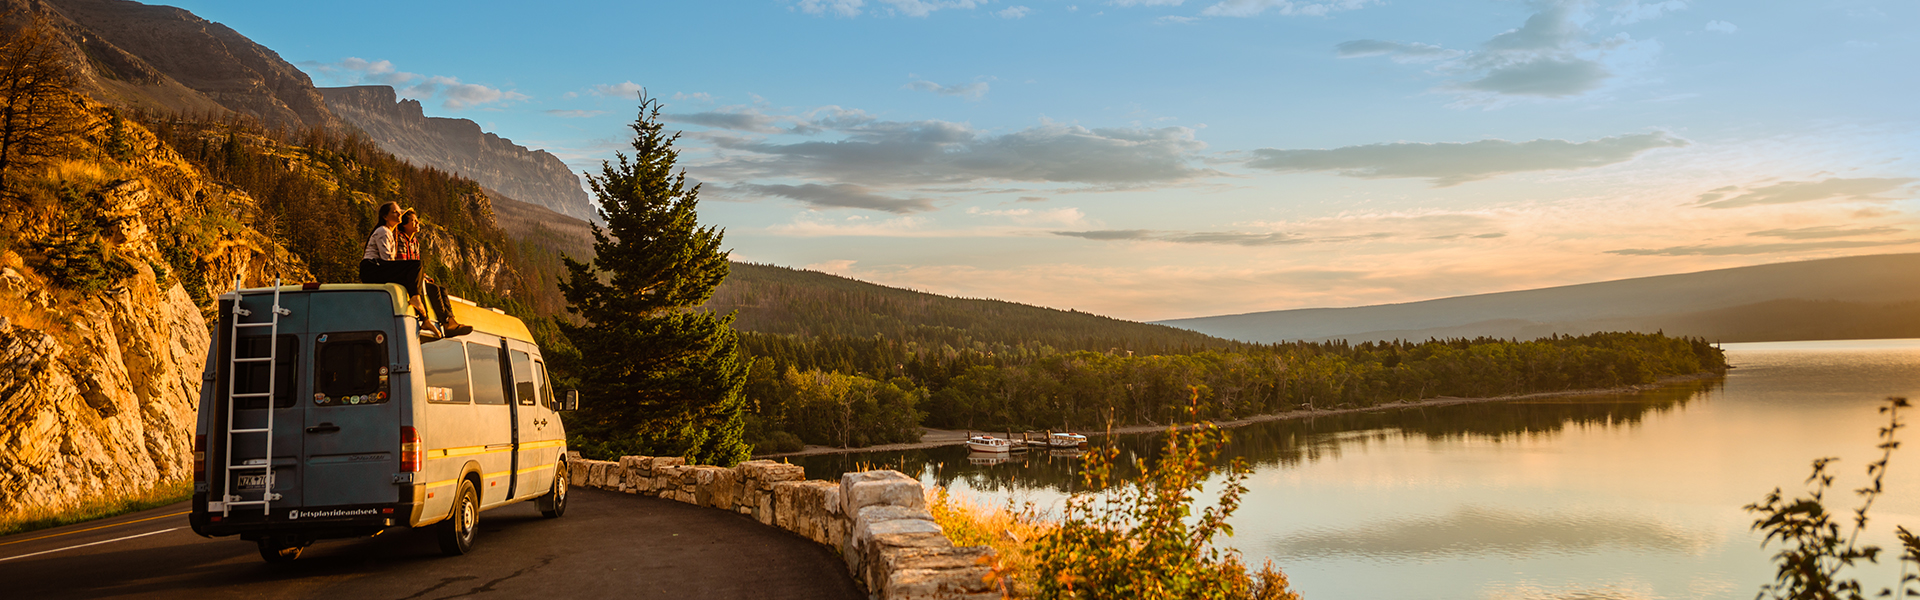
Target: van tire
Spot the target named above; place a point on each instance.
(554, 504)
(279, 549)
(456, 533)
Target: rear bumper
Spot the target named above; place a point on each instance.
(299, 521)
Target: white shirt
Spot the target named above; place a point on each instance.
(380, 244)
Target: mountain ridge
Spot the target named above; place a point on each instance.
(1640, 304)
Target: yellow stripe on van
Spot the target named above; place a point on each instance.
(545, 444)
(532, 469)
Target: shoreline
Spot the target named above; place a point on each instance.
(935, 438)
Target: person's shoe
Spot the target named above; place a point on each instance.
(454, 329)
(433, 328)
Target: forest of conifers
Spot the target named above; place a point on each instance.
(857, 391)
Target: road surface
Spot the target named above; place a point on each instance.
(608, 545)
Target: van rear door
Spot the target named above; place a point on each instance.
(352, 425)
(284, 407)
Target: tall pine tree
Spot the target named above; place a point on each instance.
(657, 378)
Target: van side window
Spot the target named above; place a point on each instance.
(523, 390)
(446, 363)
(483, 366)
(350, 368)
(546, 386)
(251, 377)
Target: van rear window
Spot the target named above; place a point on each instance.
(446, 371)
(350, 368)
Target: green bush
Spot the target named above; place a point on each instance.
(1138, 541)
(1816, 551)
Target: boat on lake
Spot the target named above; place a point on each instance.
(989, 444)
(1059, 439)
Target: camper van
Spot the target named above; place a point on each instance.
(325, 413)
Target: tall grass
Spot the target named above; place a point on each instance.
(112, 505)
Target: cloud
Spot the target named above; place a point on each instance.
(909, 8)
(1542, 76)
(735, 118)
(1449, 163)
(842, 8)
(1013, 12)
(1824, 232)
(1747, 249)
(1722, 27)
(453, 94)
(1788, 192)
(1345, 228)
(1250, 8)
(624, 89)
(1399, 52)
(839, 195)
(575, 114)
(356, 71)
(1031, 216)
(970, 91)
(696, 96)
(1547, 57)
(1235, 238)
(940, 152)
(1634, 11)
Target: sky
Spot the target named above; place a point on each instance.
(1160, 159)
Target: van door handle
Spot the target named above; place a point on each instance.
(323, 428)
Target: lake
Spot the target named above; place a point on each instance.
(1633, 496)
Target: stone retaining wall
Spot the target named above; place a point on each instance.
(877, 520)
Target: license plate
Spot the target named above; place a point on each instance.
(254, 481)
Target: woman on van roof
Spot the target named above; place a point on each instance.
(409, 249)
(380, 263)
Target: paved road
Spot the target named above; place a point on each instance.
(608, 545)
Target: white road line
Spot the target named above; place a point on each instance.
(87, 544)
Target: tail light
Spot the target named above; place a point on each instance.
(200, 458)
(410, 452)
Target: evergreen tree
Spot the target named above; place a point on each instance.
(657, 378)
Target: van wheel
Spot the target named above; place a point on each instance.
(279, 549)
(554, 503)
(456, 533)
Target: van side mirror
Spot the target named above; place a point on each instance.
(571, 401)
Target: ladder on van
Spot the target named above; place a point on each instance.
(229, 500)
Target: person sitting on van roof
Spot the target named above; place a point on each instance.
(381, 264)
(408, 248)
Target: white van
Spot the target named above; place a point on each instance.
(324, 413)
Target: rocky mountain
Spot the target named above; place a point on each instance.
(107, 274)
(1839, 298)
(165, 58)
(401, 127)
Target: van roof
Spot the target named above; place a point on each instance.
(484, 320)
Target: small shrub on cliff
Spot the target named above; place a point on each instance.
(1139, 540)
(1815, 550)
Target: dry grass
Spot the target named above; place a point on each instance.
(1011, 534)
(161, 494)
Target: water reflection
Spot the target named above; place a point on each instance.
(1481, 530)
(1278, 443)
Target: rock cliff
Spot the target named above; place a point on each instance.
(401, 127)
(98, 382)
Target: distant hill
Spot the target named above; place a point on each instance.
(1842, 298)
(779, 300)
(783, 301)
